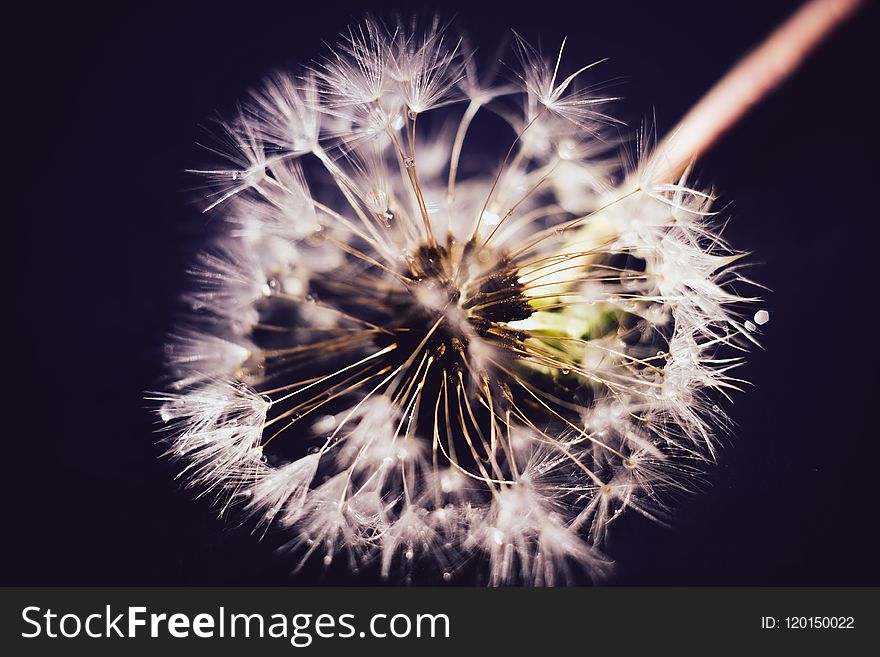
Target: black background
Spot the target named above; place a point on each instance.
(106, 105)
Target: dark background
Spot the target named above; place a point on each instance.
(106, 105)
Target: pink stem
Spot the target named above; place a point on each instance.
(748, 82)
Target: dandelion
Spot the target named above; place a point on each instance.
(413, 347)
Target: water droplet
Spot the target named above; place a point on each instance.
(318, 235)
(566, 372)
(412, 115)
(410, 162)
(328, 560)
(762, 317)
(272, 285)
(409, 555)
(235, 175)
(387, 218)
(447, 576)
(749, 326)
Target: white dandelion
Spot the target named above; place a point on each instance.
(414, 347)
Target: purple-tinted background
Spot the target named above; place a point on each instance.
(106, 106)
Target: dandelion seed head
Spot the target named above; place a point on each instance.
(402, 355)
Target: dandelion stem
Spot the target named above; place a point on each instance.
(753, 78)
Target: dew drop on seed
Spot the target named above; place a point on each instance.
(318, 235)
(749, 326)
(272, 285)
(328, 560)
(762, 317)
(447, 576)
